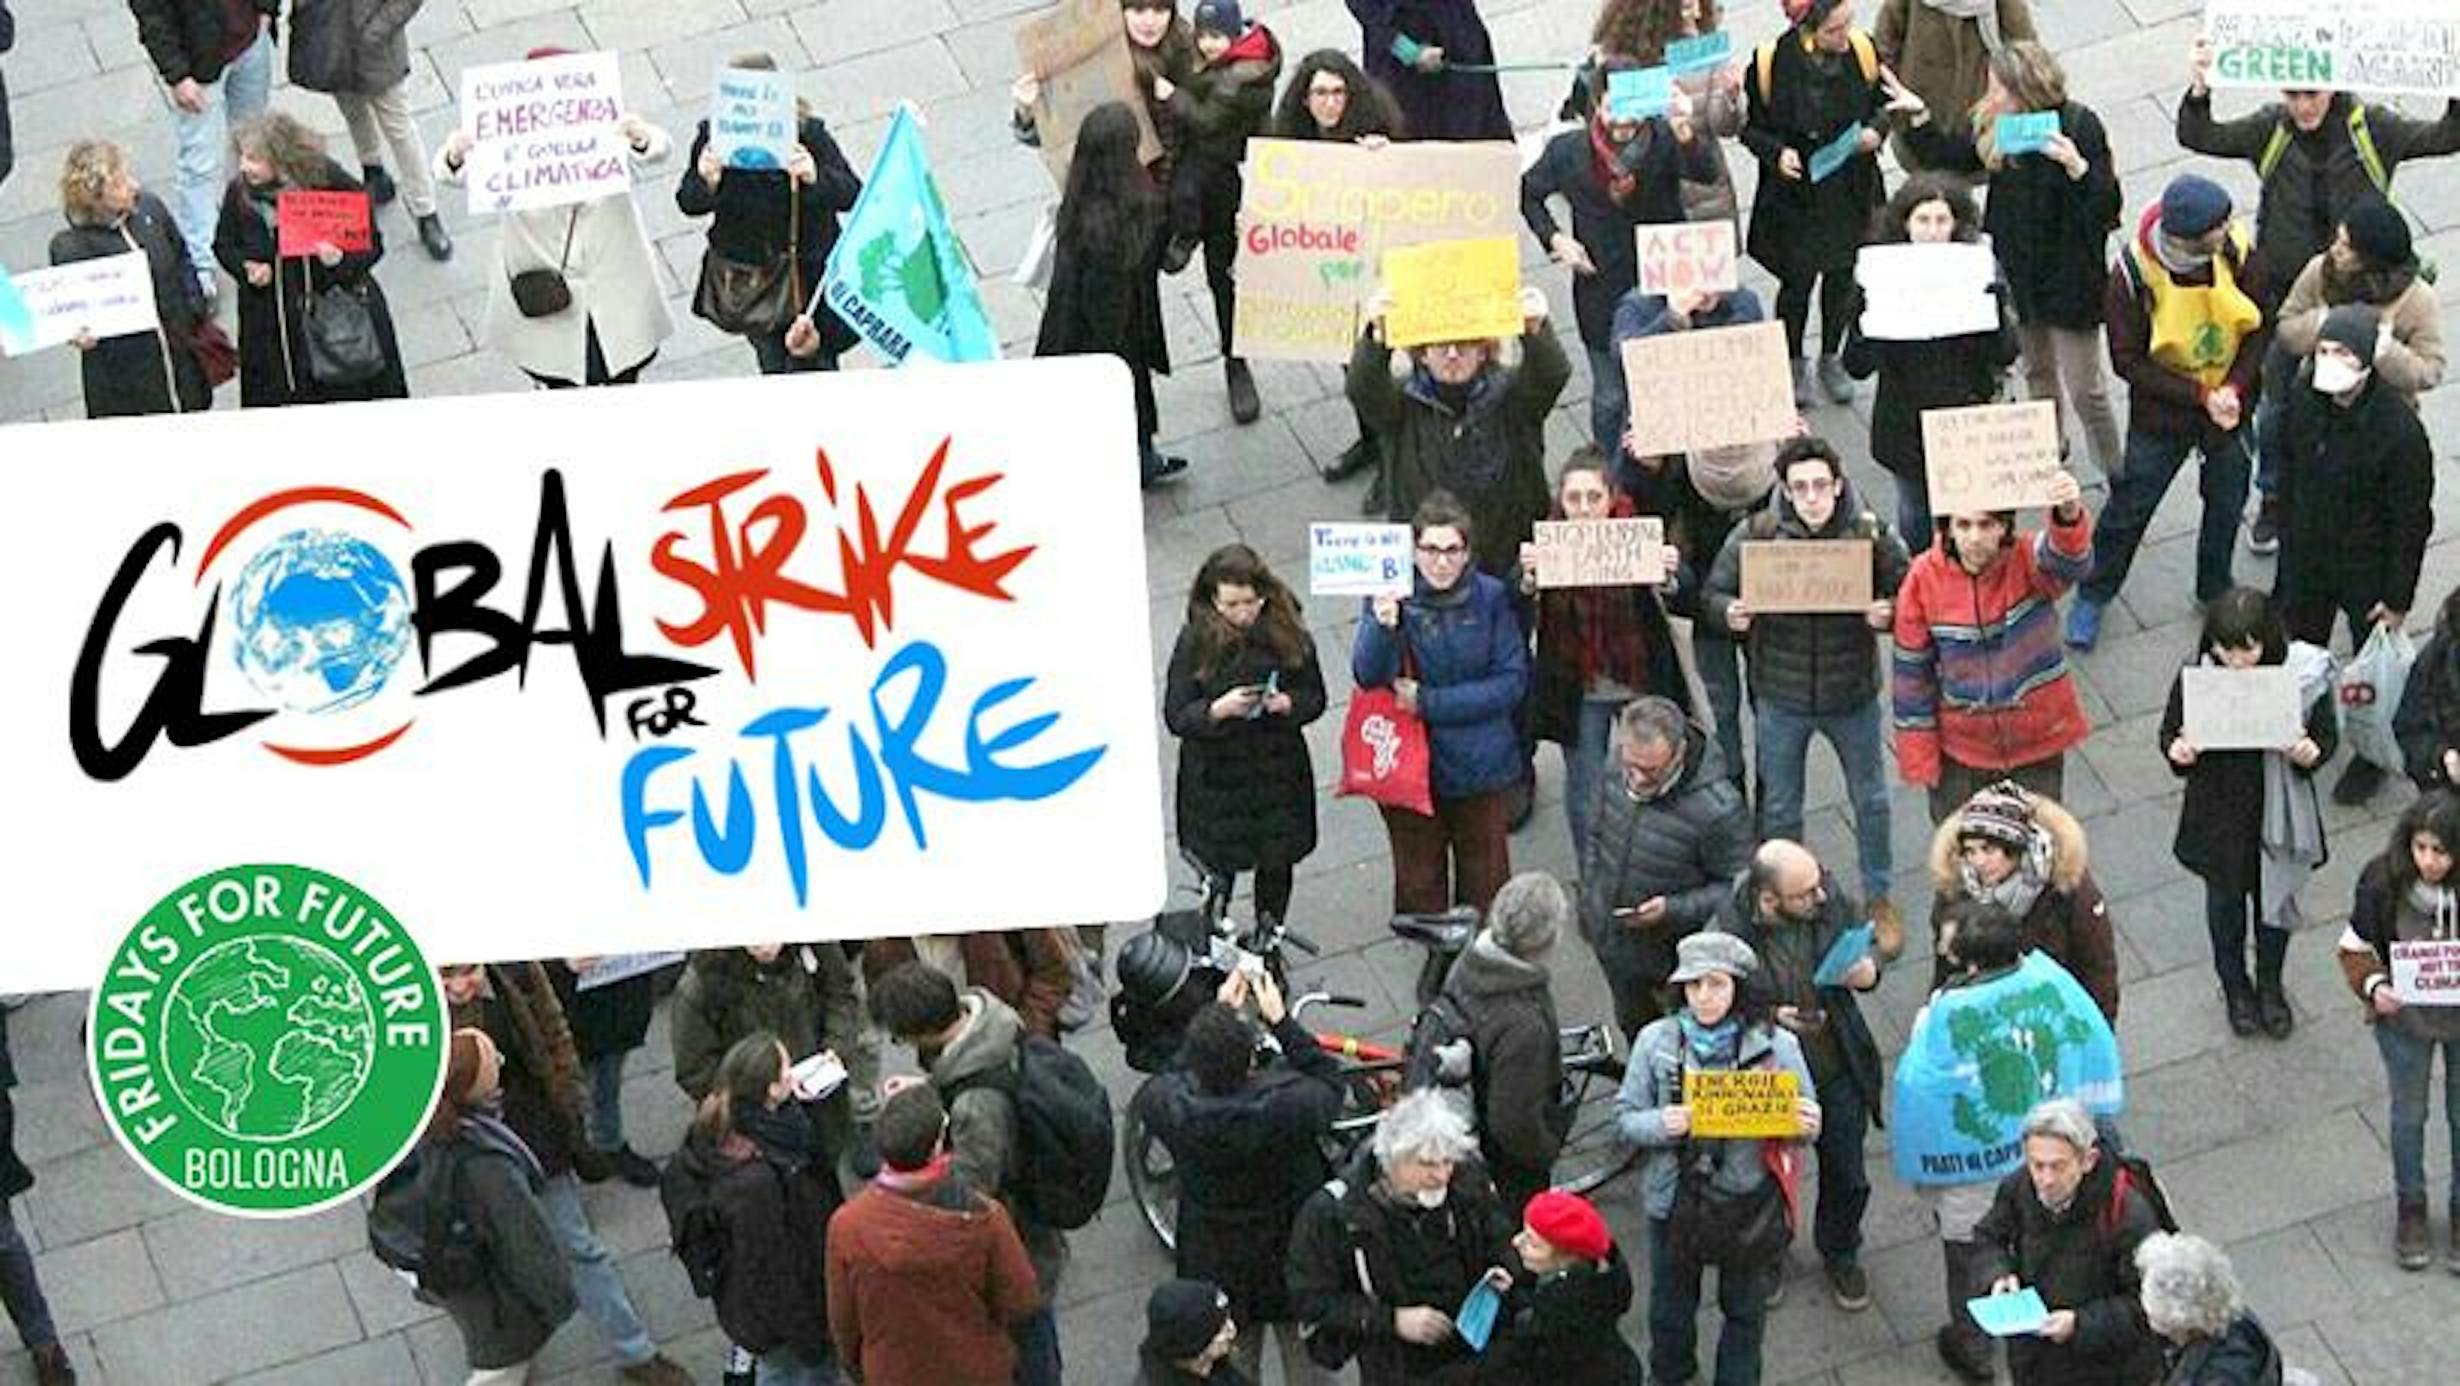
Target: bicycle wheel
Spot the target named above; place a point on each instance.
(1595, 1153)
(1153, 1179)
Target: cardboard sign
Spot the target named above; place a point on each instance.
(2025, 132)
(107, 297)
(2241, 709)
(1637, 94)
(752, 122)
(2410, 46)
(1919, 293)
(1705, 53)
(1079, 52)
(1991, 456)
(623, 967)
(1836, 153)
(1781, 576)
(1357, 559)
(1629, 552)
(1682, 256)
(546, 133)
(1707, 389)
(1748, 1103)
(303, 218)
(1453, 291)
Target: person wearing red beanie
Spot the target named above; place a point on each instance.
(1558, 1318)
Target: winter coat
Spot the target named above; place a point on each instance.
(8, 143)
(2069, 921)
(2410, 360)
(982, 1135)
(1659, 165)
(1687, 844)
(2364, 952)
(2050, 232)
(772, 1207)
(2162, 401)
(751, 216)
(1471, 661)
(1556, 688)
(1517, 1064)
(1740, 916)
(602, 249)
(2356, 496)
(2243, 1355)
(1818, 665)
(1799, 227)
(805, 996)
(1561, 1330)
(355, 46)
(1981, 673)
(606, 1020)
(186, 38)
(1246, 789)
(273, 353)
(1029, 969)
(543, 1100)
(2081, 1259)
(526, 1292)
(1107, 300)
(1916, 376)
(1653, 1081)
(15, 1178)
(1356, 1256)
(1225, 101)
(1444, 105)
(1490, 454)
(1941, 57)
(127, 375)
(925, 1286)
(1246, 1162)
(2427, 721)
(2221, 817)
(1714, 108)
(2319, 176)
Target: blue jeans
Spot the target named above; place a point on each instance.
(1785, 750)
(1720, 662)
(1609, 398)
(1844, 1185)
(605, 1118)
(1584, 768)
(2408, 1069)
(19, 1290)
(2280, 376)
(595, 1281)
(786, 1367)
(2152, 461)
(196, 201)
(1674, 1317)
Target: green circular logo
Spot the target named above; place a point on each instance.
(267, 1040)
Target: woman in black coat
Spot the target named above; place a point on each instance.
(1243, 684)
(1437, 101)
(277, 152)
(109, 214)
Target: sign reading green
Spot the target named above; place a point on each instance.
(2410, 46)
(267, 1040)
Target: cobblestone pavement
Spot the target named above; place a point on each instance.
(2276, 1149)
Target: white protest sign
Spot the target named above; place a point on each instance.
(1991, 456)
(107, 297)
(1356, 559)
(2241, 709)
(751, 118)
(545, 133)
(606, 972)
(2410, 46)
(1918, 293)
(2427, 973)
(561, 676)
(1601, 553)
(1687, 256)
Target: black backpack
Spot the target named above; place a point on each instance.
(2134, 1172)
(1059, 1173)
(694, 1227)
(1443, 1026)
(419, 1223)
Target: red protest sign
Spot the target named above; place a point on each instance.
(303, 219)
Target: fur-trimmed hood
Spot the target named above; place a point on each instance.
(2069, 857)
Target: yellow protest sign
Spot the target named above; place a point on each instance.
(1742, 1103)
(1452, 291)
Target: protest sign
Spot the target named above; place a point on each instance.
(2024, 132)
(898, 274)
(1628, 552)
(1918, 293)
(2427, 972)
(1981, 1056)
(2011, 1315)
(1079, 54)
(1679, 257)
(623, 967)
(545, 133)
(2241, 709)
(2409, 46)
(1851, 946)
(1806, 575)
(1707, 389)
(1358, 559)
(1637, 94)
(1836, 153)
(303, 218)
(1704, 53)
(1991, 456)
(1452, 291)
(752, 120)
(1742, 1103)
(107, 297)
(786, 669)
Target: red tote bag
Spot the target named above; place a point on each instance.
(1384, 752)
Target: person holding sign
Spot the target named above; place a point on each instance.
(109, 213)
(1685, 35)
(2406, 903)
(1559, 1322)
(1712, 1202)
(1942, 50)
(2250, 825)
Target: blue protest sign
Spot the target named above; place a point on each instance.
(1830, 157)
(1705, 53)
(898, 274)
(1983, 1055)
(2010, 1315)
(1851, 947)
(1637, 94)
(1476, 1321)
(2025, 132)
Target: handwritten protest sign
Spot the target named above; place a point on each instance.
(304, 218)
(2410, 46)
(751, 118)
(1835, 154)
(545, 133)
(1688, 255)
(2241, 709)
(2427, 973)
(1806, 575)
(1627, 552)
(107, 297)
(1358, 560)
(1991, 456)
(1743, 1103)
(1851, 947)
(1453, 291)
(2025, 132)
(1706, 389)
(1918, 293)
(1079, 53)
(622, 967)
(1705, 53)
(1637, 94)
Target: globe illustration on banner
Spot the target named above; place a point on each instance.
(321, 620)
(267, 1038)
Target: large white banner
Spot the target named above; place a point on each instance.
(598, 672)
(2336, 45)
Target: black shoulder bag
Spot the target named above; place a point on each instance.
(542, 293)
(755, 299)
(1713, 1227)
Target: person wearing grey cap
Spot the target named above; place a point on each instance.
(2357, 497)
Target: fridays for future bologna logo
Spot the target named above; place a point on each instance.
(267, 1040)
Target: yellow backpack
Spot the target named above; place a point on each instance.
(1866, 54)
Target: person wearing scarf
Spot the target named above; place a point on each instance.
(1941, 49)
(494, 1182)
(2024, 852)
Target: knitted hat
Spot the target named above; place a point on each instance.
(2192, 205)
(1219, 17)
(1702, 953)
(541, 54)
(2355, 326)
(1182, 1317)
(2379, 233)
(2000, 813)
(1569, 1223)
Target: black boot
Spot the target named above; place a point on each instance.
(2272, 1004)
(1355, 458)
(2240, 998)
(1244, 406)
(433, 236)
(2358, 783)
(380, 189)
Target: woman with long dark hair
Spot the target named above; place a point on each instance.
(1243, 684)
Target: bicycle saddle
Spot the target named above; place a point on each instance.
(1450, 930)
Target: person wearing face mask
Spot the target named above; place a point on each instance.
(2249, 824)
(2372, 261)
(109, 213)
(2066, 1227)
(2026, 854)
(1189, 1332)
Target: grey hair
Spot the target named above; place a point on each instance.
(2062, 1118)
(2190, 1291)
(1423, 1126)
(1654, 719)
(1529, 913)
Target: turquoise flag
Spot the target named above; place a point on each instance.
(898, 274)
(16, 320)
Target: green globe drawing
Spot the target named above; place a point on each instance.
(267, 1038)
(2016, 1043)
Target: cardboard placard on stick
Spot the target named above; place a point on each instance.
(1991, 456)
(2241, 709)
(1079, 53)
(1708, 389)
(1453, 291)
(2410, 46)
(1806, 576)
(1688, 255)
(1743, 1103)
(1628, 552)
(303, 218)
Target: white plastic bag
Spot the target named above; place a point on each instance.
(2369, 690)
(1033, 271)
